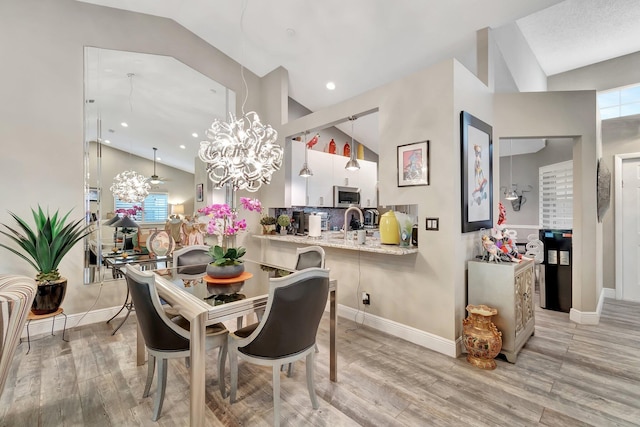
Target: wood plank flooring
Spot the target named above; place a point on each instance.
(566, 375)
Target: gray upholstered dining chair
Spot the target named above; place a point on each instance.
(287, 331)
(310, 256)
(16, 297)
(191, 261)
(166, 338)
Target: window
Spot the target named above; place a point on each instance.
(556, 195)
(619, 102)
(155, 208)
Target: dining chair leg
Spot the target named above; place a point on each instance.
(162, 385)
(151, 368)
(310, 382)
(233, 368)
(222, 357)
(276, 395)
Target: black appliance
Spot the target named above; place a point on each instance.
(371, 218)
(300, 221)
(344, 197)
(555, 289)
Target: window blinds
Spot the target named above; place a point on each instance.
(556, 195)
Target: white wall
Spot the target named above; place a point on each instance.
(571, 114)
(519, 59)
(424, 291)
(179, 184)
(619, 136)
(525, 172)
(610, 74)
(41, 108)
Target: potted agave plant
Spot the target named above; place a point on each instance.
(43, 247)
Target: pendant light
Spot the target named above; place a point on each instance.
(305, 172)
(352, 164)
(130, 186)
(242, 152)
(155, 180)
(511, 195)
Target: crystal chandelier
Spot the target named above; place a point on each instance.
(130, 187)
(242, 152)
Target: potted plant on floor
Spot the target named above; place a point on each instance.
(43, 247)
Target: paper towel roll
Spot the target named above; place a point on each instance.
(314, 226)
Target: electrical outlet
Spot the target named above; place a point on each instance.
(366, 298)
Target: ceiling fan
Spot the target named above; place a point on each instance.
(155, 179)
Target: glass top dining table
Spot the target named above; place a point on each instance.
(204, 304)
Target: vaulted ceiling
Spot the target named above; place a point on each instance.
(362, 44)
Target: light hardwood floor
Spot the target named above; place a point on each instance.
(567, 375)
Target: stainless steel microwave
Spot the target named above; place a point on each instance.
(343, 197)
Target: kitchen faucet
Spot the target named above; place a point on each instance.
(346, 214)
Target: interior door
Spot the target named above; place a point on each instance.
(631, 229)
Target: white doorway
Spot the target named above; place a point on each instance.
(627, 196)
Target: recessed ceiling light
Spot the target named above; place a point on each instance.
(183, 147)
(158, 159)
(331, 85)
(124, 125)
(107, 141)
(195, 135)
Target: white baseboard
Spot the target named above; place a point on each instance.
(408, 333)
(591, 317)
(416, 336)
(38, 327)
(609, 293)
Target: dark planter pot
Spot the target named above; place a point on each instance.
(49, 297)
(224, 271)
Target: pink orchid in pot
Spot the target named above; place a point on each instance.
(225, 224)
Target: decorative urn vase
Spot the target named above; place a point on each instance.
(224, 271)
(481, 338)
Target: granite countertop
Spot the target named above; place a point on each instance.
(336, 240)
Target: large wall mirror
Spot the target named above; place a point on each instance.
(146, 113)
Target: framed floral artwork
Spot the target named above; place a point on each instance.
(413, 164)
(477, 173)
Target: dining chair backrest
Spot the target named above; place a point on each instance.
(192, 260)
(159, 332)
(294, 309)
(16, 297)
(310, 256)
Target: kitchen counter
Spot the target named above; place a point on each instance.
(336, 240)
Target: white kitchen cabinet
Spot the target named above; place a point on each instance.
(368, 183)
(343, 177)
(509, 288)
(320, 185)
(328, 171)
(298, 183)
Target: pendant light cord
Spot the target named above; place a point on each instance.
(244, 81)
(511, 163)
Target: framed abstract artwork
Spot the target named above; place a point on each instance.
(199, 192)
(413, 164)
(477, 173)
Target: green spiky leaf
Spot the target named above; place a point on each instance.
(47, 243)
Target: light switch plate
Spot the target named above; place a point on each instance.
(432, 224)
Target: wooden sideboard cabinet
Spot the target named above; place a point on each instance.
(509, 288)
